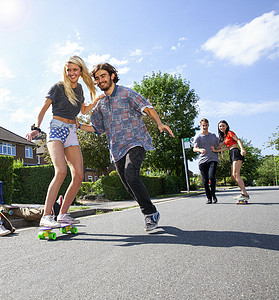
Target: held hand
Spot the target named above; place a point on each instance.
(202, 151)
(213, 149)
(166, 128)
(98, 98)
(243, 152)
(31, 135)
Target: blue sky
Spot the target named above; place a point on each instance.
(227, 49)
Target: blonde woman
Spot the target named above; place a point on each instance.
(67, 100)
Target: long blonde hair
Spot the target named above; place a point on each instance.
(87, 79)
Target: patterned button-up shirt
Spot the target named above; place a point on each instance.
(119, 116)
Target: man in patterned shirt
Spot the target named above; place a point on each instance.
(118, 114)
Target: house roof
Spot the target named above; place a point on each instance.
(8, 136)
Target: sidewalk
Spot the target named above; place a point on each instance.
(89, 207)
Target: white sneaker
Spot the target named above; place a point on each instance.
(48, 221)
(4, 231)
(66, 218)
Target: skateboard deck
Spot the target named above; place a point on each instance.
(242, 201)
(64, 228)
(6, 223)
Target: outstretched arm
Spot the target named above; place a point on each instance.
(86, 108)
(33, 133)
(219, 150)
(154, 116)
(85, 127)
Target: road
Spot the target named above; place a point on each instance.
(217, 251)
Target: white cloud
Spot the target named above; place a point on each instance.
(5, 98)
(5, 73)
(244, 45)
(233, 108)
(137, 52)
(94, 58)
(177, 70)
(70, 48)
(21, 116)
(116, 62)
(124, 70)
(179, 44)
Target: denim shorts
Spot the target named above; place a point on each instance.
(63, 132)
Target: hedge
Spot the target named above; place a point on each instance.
(31, 184)
(114, 189)
(6, 176)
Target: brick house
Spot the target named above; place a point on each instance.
(32, 153)
(18, 147)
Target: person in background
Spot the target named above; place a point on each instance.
(208, 160)
(67, 100)
(118, 115)
(231, 142)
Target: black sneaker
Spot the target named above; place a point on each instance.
(214, 200)
(151, 221)
(209, 201)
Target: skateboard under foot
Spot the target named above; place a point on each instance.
(242, 202)
(64, 228)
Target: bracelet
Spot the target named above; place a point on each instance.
(79, 126)
(33, 127)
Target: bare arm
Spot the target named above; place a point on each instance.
(85, 109)
(154, 116)
(219, 150)
(31, 135)
(85, 127)
(242, 150)
(197, 149)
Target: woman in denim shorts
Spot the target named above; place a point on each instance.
(67, 100)
(231, 142)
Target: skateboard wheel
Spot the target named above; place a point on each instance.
(41, 235)
(52, 236)
(63, 230)
(74, 230)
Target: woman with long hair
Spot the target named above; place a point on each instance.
(67, 100)
(229, 141)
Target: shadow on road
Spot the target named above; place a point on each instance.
(176, 236)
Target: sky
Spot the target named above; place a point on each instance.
(228, 51)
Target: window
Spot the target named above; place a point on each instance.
(7, 149)
(90, 178)
(28, 152)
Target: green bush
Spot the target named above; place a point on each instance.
(86, 188)
(114, 189)
(31, 184)
(6, 176)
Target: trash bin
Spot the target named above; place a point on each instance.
(1, 192)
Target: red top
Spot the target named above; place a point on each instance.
(229, 141)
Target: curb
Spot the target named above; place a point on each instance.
(20, 223)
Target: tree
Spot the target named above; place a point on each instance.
(176, 104)
(274, 140)
(94, 148)
(268, 171)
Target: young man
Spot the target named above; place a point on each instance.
(118, 114)
(208, 159)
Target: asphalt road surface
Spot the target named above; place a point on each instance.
(200, 251)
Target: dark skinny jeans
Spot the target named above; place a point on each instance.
(128, 168)
(208, 172)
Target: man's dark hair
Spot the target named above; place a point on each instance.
(107, 67)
